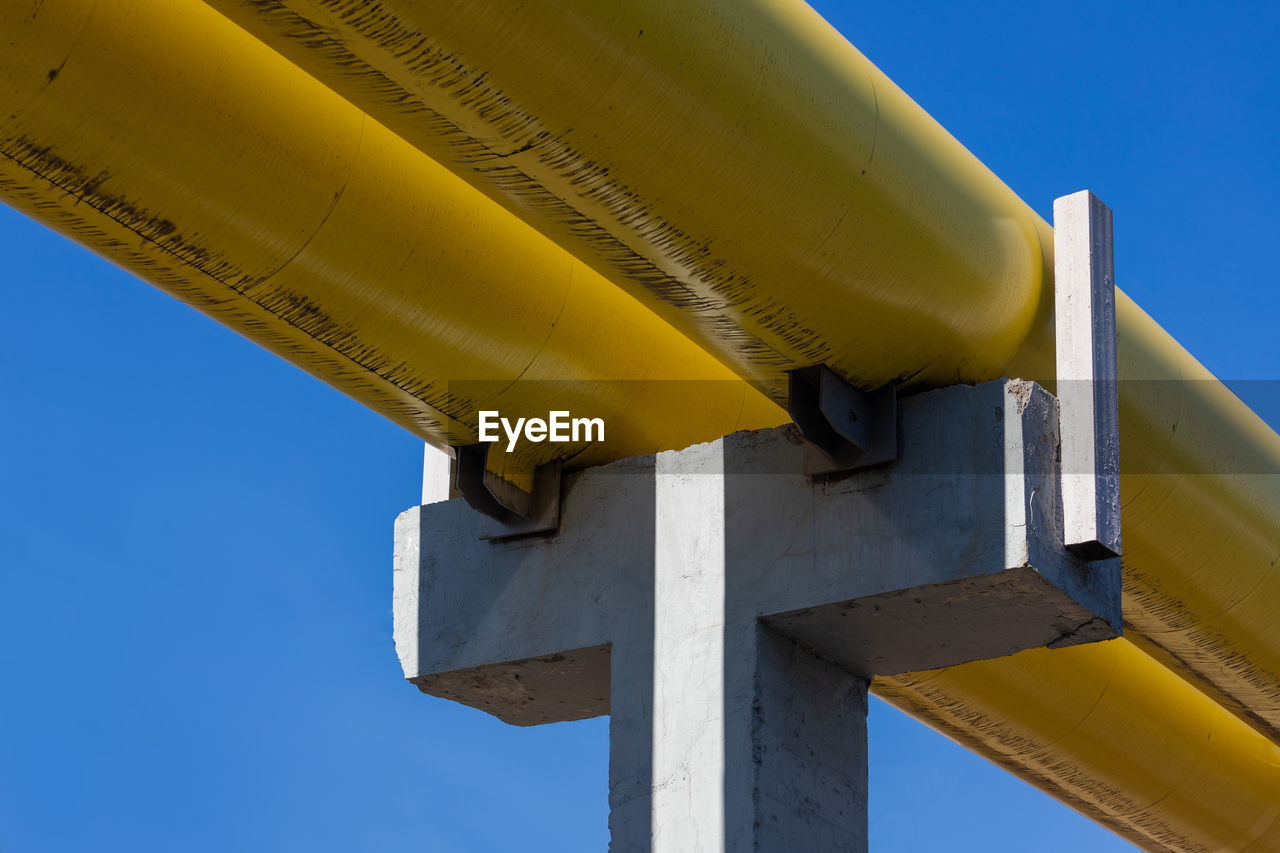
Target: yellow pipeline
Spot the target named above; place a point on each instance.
(741, 168)
(168, 141)
(733, 163)
(173, 143)
(1176, 774)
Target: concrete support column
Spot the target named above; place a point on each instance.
(752, 743)
(796, 749)
(727, 611)
(780, 766)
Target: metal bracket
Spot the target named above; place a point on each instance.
(847, 429)
(1088, 390)
(509, 511)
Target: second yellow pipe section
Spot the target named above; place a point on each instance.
(1093, 726)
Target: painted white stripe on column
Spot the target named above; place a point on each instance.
(688, 652)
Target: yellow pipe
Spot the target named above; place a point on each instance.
(168, 140)
(756, 180)
(734, 164)
(179, 148)
(1177, 774)
(1200, 491)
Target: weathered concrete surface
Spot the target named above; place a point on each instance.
(727, 611)
(461, 602)
(795, 748)
(569, 685)
(692, 691)
(953, 554)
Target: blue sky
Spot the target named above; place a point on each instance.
(195, 632)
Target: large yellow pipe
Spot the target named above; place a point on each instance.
(1080, 723)
(736, 164)
(167, 139)
(743, 169)
(178, 147)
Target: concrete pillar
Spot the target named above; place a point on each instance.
(753, 743)
(727, 611)
(796, 756)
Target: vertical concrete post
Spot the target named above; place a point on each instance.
(796, 748)
(752, 743)
(1085, 319)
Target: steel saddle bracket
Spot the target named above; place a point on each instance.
(509, 511)
(846, 429)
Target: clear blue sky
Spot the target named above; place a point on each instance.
(195, 538)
